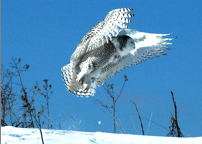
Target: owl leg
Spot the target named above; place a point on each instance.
(81, 77)
(85, 87)
(89, 84)
(84, 71)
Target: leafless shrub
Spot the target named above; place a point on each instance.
(174, 128)
(47, 92)
(112, 109)
(139, 117)
(37, 117)
(7, 97)
(14, 93)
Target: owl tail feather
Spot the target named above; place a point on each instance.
(88, 88)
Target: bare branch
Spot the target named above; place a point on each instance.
(139, 117)
(110, 91)
(174, 122)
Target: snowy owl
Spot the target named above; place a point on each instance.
(108, 48)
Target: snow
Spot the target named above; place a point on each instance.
(11, 135)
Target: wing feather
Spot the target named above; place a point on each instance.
(103, 31)
(148, 45)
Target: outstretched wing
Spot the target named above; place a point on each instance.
(147, 45)
(103, 31)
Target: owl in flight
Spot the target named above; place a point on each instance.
(108, 48)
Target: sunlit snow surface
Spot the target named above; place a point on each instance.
(11, 135)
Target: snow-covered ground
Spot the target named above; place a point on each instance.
(11, 135)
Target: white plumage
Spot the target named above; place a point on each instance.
(108, 48)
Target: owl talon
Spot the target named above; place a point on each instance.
(85, 87)
(81, 79)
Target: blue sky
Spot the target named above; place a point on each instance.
(44, 34)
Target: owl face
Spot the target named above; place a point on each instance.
(130, 44)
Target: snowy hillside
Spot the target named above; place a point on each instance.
(32, 136)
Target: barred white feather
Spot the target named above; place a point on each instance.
(108, 48)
